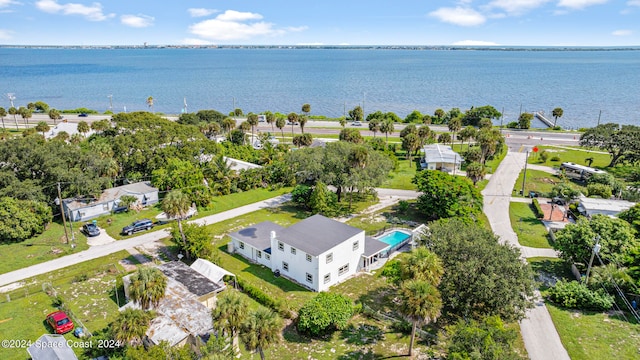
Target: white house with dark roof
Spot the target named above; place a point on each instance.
(316, 252)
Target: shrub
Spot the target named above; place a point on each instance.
(403, 206)
(324, 313)
(537, 209)
(301, 194)
(544, 155)
(260, 296)
(600, 190)
(576, 295)
(391, 271)
(555, 158)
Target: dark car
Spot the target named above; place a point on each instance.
(83, 115)
(60, 322)
(90, 229)
(138, 225)
(559, 201)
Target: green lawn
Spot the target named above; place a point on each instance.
(588, 335)
(49, 245)
(529, 229)
(539, 181)
(87, 287)
(401, 178)
(575, 154)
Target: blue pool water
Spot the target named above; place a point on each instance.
(394, 238)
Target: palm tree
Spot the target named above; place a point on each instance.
(13, 111)
(420, 303)
(374, 126)
(306, 109)
(557, 113)
(228, 124)
(83, 128)
(468, 133)
(424, 132)
(131, 325)
(293, 119)
(280, 123)
(422, 264)
(244, 126)
(54, 115)
(252, 119)
(150, 103)
(271, 119)
(147, 287)
(176, 205)
(261, 329)
(454, 125)
(476, 172)
(303, 121)
(387, 128)
(343, 122)
(42, 127)
(3, 113)
(26, 114)
(229, 314)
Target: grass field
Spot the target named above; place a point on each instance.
(529, 229)
(401, 178)
(574, 154)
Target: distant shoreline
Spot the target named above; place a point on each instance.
(334, 47)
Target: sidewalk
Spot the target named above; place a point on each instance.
(97, 251)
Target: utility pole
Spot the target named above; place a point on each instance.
(234, 108)
(64, 221)
(110, 102)
(501, 119)
(524, 178)
(364, 97)
(596, 249)
(600, 114)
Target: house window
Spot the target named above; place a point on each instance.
(329, 257)
(280, 246)
(356, 245)
(309, 278)
(308, 258)
(343, 269)
(267, 256)
(293, 250)
(259, 254)
(285, 266)
(327, 278)
(241, 245)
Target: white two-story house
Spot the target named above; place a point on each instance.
(317, 252)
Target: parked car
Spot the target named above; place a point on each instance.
(90, 229)
(60, 322)
(138, 225)
(83, 115)
(559, 201)
(356, 123)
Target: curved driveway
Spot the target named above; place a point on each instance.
(538, 332)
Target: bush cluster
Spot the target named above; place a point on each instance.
(260, 296)
(537, 209)
(324, 313)
(576, 295)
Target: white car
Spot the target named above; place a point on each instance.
(356, 123)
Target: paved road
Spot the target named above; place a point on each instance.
(540, 336)
(95, 252)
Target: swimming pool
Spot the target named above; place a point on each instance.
(394, 238)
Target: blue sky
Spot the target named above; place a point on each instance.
(324, 22)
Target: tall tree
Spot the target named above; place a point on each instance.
(228, 124)
(83, 128)
(280, 123)
(454, 126)
(306, 109)
(3, 113)
(445, 195)
(176, 205)
(420, 303)
(356, 114)
(150, 103)
(229, 314)
(13, 111)
(42, 127)
(387, 128)
(621, 142)
(261, 329)
(303, 121)
(424, 133)
(468, 133)
(26, 114)
(293, 119)
(374, 126)
(556, 113)
(147, 287)
(252, 119)
(422, 264)
(54, 115)
(271, 119)
(524, 121)
(131, 326)
(476, 172)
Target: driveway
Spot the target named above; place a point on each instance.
(538, 332)
(107, 247)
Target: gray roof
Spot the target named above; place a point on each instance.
(316, 234)
(438, 153)
(373, 246)
(51, 347)
(195, 282)
(258, 235)
(112, 194)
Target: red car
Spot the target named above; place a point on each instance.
(60, 322)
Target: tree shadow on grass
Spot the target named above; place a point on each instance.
(292, 335)
(548, 271)
(362, 335)
(298, 212)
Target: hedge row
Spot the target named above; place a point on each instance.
(260, 296)
(537, 209)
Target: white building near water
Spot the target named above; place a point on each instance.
(441, 157)
(317, 252)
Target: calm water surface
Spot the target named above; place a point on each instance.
(583, 83)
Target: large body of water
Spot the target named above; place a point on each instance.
(586, 84)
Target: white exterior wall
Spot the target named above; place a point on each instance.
(298, 265)
(342, 254)
(250, 253)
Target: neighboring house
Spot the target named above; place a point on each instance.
(611, 207)
(184, 314)
(317, 252)
(51, 347)
(238, 165)
(69, 128)
(441, 157)
(85, 209)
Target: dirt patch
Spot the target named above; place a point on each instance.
(127, 265)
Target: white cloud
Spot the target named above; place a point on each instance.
(92, 13)
(474, 43)
(236, 25)
(5, 3)
(580, 4)
(232, 15)
(517, 7)
(459, 16)
(633, 2)
(5, 34)
(622, 32)
(137, 21)
(201, 12)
